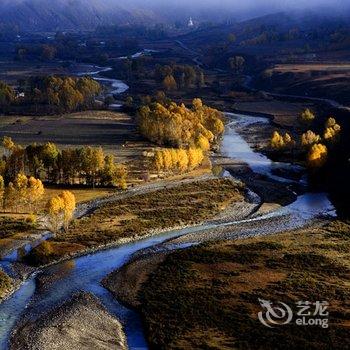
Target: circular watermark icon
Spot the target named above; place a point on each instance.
(274, 314)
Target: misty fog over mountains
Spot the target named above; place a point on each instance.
(45, 15)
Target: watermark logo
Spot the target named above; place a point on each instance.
(279, 314)
(307, 314)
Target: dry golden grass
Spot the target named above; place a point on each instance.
(137, 215)
(188, 203)
(296, 68)
(81, 195)
(213, 289)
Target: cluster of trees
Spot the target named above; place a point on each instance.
(313, 143)
(60, 210)
(65, 93)
(178, 160)
(279, 141)
(181, 127)
(270, 35)
(132, 68)
(318, 152)
(26, 193)
(85, 165)
(332, 129)
(23, 192)
(62, 94)
(44, 52)
(179, 76)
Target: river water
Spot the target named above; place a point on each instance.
(86, 272)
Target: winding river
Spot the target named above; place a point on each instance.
(86, 272)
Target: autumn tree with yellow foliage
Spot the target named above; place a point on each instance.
(309, 138)
(332, 129)
(317, 155)
(279, 141)
(276, 141)
(114, 174)
(35, 192)
(23, 192)
(54, 210)
(177, 160)
(180, 127)
(8, 144)
(60, 210)
(68, 207)
(307, 116)
(85, 165)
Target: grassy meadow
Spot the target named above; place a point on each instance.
(137, 215)
(206, 297)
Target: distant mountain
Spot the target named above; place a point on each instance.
(52, 15)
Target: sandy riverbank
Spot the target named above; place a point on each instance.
(126, 282)
(80, 323)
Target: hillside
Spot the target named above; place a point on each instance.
(41, 15)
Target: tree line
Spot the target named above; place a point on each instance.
(85, 165)
(60, 94)
(176, 77)
(178, 160)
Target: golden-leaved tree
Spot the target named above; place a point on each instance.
(279, 141)
(307, 116)
(317, 155)
(35, 192)
(332, 129)
(85, 165)
(68, 207)
(177, 126)
(177, 160)
(23, 193)
(309, 138)
(60, 210)
(54, 210)
(114, 174)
